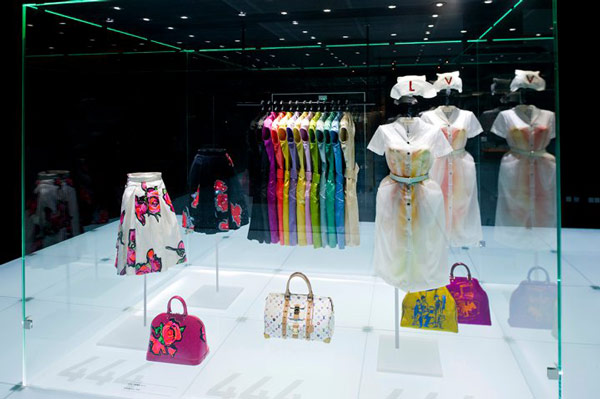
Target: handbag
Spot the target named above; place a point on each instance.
(472, 304)
(177, 338)
(532, 304)
(299, 316)
(433, 309)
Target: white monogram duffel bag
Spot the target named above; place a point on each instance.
(299, 316)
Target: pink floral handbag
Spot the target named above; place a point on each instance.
(177, 338)
(472, 303)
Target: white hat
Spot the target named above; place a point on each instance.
(412, 85)
(527, 80)
(449, 80)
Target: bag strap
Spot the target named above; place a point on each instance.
(303, 277)
(538, 268)
(454, 267)
(180, 299)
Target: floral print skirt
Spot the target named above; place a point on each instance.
(149, 239)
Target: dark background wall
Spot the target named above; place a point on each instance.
(580, 185)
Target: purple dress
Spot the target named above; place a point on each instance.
(293, 186)
(272, 186)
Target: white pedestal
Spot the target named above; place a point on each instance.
(414, 356)
(208, 297)
(130, 334)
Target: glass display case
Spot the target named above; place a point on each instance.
(376, 147)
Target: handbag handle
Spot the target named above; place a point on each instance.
(303, 277)
(538, 268)
(459, 264)
(180, 299)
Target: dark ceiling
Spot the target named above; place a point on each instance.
(274, 34)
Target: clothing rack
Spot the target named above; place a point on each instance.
(293, 103)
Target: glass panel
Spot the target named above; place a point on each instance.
(283, 150)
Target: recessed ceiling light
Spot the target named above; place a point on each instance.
(308, 55)
(304, 31)
(357, 52)
(430, 26)
(327, 10)
(282, 38)
(345, 37)
(146, 19)
(141, 44)
(110, 20)
(512, 29)
(183, 17)
(319, 43)
(272, 55)
(191, 36)
(463, 31)
(92, 40)
(427, 32)
(440, 4)
(284, 13)
(241, 14)
(50, 48)
(117, 8)
(170, 28)
(434, 16)
(392, 6)
(313, 38)
(179, 42)
(237, 40)
(488, 1)
(30, 25)
(207, 41)
(295, 22)
(220, 45)
(393, 34)
(425, 38)
(538, 34)
(62, 23)
(61, 33)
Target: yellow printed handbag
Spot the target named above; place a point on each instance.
(430, 310)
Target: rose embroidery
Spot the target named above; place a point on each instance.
(168, 200)
(153, 264)
(164, 337)
(224, 225)
(131, 248)
(196, 197)
(220, 186)
(147, 204)
(236, 214)
(221, 202)
(180, 251)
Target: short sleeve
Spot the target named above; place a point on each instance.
(500, 127)
(473, 126)
(439, 144)
(377, 143)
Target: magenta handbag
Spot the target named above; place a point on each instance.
(472, 303)
(177, 338)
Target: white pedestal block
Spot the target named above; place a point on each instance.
(208, 297)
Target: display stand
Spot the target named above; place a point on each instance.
(215, 297)
(133, 332)
(408, 355)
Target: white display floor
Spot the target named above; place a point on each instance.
(87, 320)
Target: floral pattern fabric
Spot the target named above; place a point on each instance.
(148, 238)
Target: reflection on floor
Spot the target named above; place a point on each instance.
(89, 337)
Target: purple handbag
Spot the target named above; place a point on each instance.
(472, 303)
(533, 303)
(177, 338)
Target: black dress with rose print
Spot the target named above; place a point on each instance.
(216, 203)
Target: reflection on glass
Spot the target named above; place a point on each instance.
(533, 303)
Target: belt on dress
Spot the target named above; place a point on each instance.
(529, 153)
(458, 152)
(409, 180)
